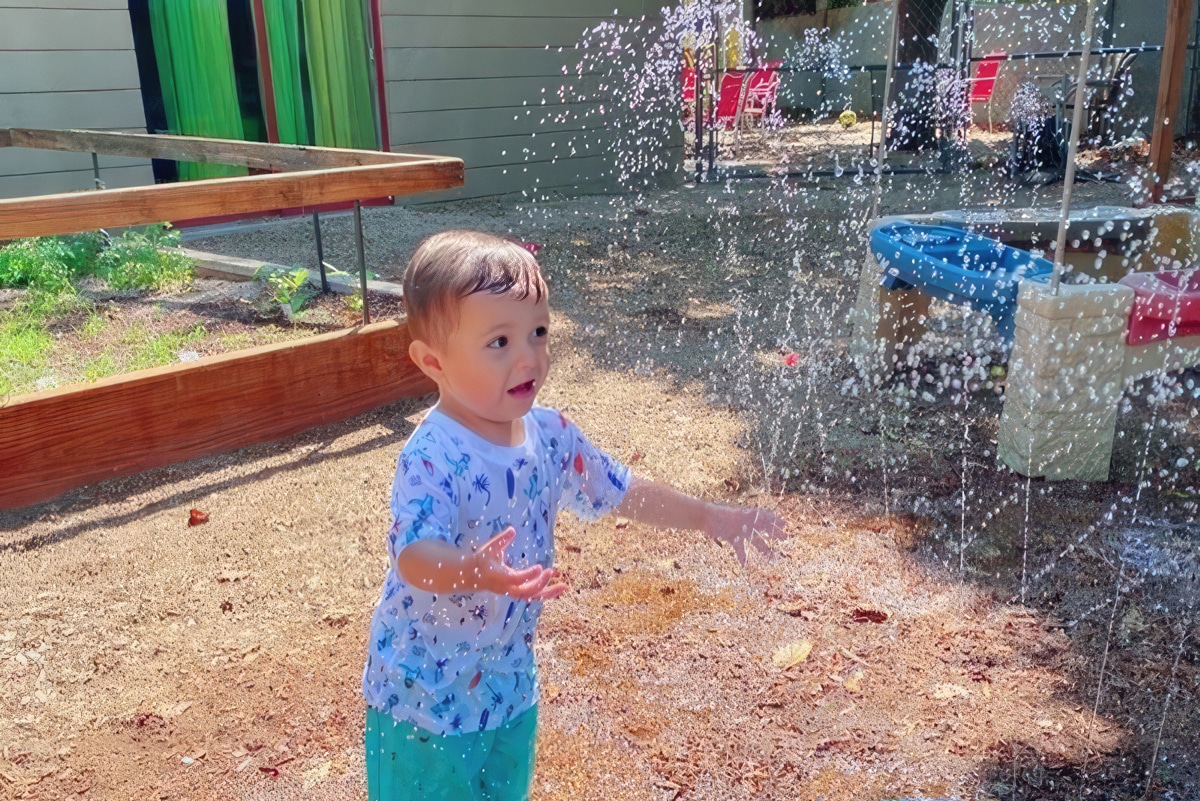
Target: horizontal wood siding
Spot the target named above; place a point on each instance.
(497, 151)
(67, 64)
(24, 71)
(517, 8)
(72, 5)
(486, 82)
(65, 29)
(48, 183)
(568, 176)
(471, 123)
(469, 93)
(539, 32)
(28, 161)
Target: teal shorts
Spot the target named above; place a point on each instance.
(407, 763)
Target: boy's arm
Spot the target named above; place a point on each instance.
(437, 566)
(659, 505)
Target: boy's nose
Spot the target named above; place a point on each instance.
(528, 363)
(527, 358)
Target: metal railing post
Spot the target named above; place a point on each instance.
(96, 171)
(320, 253)
(699, 121)
(362, 262)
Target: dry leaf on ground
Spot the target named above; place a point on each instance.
(945, 691)
(791, 654)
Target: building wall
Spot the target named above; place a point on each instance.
(67, 64)
(464, 78)
(481, 81)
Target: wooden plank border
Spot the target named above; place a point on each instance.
(259, 155)
(301, 176)
(55, 441)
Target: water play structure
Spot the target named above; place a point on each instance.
(956, 266)
(1128, 306)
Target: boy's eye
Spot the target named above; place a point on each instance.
(498, 342)
(541, 331)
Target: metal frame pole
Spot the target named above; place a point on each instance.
(320, 252)
(96, 171)
(718, 74)
(1081, 99)
(699, 120)
(362, 262)
(889, 76)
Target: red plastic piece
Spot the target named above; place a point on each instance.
(1166, 305)
(984, 82)
(761, 88)
(688, 76)
(729, 99)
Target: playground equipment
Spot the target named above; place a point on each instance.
(1128, 307)
(956, 266)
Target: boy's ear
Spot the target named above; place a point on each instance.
(426, 359)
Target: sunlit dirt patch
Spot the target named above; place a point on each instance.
(910, 685)
(658, 668)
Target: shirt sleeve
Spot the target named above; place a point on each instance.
(445, 632)
(595, 483)
(423, 501)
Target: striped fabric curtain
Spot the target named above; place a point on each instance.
(195, 66)
(321, 72)
(285, 45)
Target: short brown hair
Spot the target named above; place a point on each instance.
(449, 266)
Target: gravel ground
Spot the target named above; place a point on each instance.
(143, 658)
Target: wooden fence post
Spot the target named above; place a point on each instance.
(1170, 85)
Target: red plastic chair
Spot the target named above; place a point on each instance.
(983, 85)
(688, 76)
(729, 100)
(762, 89)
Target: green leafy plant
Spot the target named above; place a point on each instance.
(289, 287)
(49, 264)
(137, 259)
(145, 259)
(354, 302)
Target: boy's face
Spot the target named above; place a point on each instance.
(491, 367)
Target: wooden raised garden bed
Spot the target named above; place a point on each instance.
(60, 439)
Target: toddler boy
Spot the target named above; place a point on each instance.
(450, 680)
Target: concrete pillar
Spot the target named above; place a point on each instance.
(1065, 379)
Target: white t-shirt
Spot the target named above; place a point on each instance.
(463, 662)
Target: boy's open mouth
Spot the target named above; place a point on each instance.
(522, 389)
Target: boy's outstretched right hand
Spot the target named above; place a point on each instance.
(492, 572)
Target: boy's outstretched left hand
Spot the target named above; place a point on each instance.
(739, 525)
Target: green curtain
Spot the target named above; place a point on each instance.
(195, 66)
(321, 72)
(285, 48)
(339, 69)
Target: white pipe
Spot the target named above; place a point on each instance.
(1081, 96)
